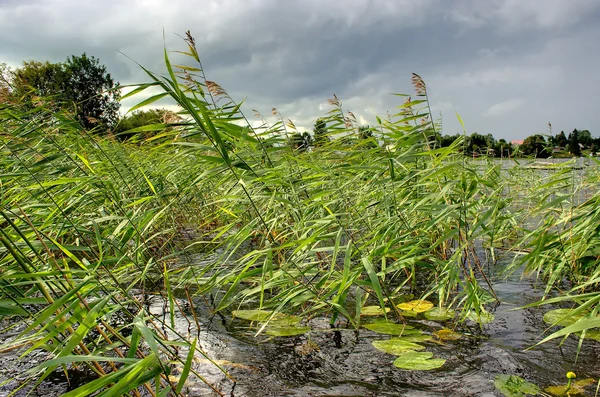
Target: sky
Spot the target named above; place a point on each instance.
(507, 67)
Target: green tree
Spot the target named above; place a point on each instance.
(93, 91)
(585, 138)
(366, 137)
(140, 118)
(320, 133)
(535, 145)
(81, 85)
(574, 148)
(301, 142)
(561, 140)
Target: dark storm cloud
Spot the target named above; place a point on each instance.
(507, 66)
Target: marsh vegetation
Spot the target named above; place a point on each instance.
(201, 205)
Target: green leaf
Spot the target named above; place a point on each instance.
(391, 328)
(418, 361)
(515, 386)
(439, 314)
(396, 346)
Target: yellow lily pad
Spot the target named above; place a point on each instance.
(417, 306)
(447, 334)
(418, 361)
(577, 388)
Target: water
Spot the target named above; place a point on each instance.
(343, 362)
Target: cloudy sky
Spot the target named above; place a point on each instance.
(508, 67)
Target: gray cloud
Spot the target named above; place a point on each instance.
(507, 66)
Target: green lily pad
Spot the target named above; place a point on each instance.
(593, 334)
(417, 306)
(447, 334)
(390, 328)
(515, 386)
(286, 331)
(439, 314)
(408, 313)
(481, 318)
(577, 388)
(373, 311)
(416, 337)
(263, 315)
(561, 317)
(418, 361)
(396, 346)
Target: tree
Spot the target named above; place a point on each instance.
(574, 148)
(561, 140)
(93, 91)
(140, 118)
(585, 138)
(320, 133)
(81, 85)
(301, 142)
(366, 137)
(535, 145)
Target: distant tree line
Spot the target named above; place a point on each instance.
(536, 145)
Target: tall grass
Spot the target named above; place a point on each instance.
(91, 225)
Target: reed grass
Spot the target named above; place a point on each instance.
(91, 225)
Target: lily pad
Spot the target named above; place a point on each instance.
(515, 386)
(447, 334)
(390, 328)
(439, 314)
(396, 346)
(593, 334)
(577, 388)
(418, 361)
(264, 315)
(481, 318)
(373, 311)
(286, 331)
(417, 306)
(408, 313)
(561, 317)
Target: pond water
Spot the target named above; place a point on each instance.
(343, 362)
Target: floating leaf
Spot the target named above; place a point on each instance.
(409, 313)
(577, 388)
(439, 314)
(447, 334)
(390, 328)
(418, 361)
(396, 346)
(515, 386)
(481, 318)
(561, 317)
(417, 306)
(264, 315)
(593, 334)
(373, 311)
(286, 331)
